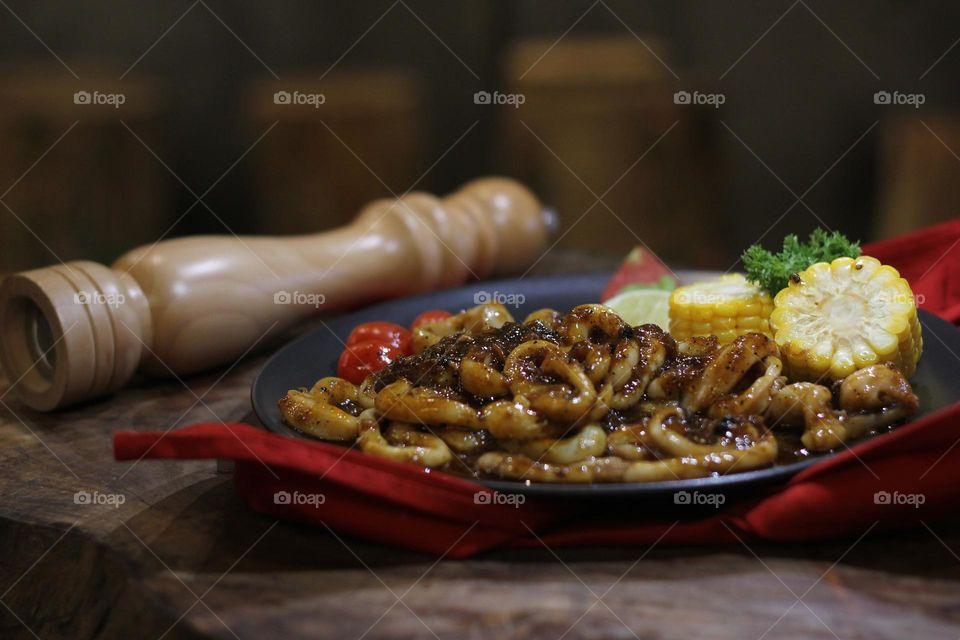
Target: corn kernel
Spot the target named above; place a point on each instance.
(839, 317)
(726, 307)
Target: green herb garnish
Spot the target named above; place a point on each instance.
(772, 271)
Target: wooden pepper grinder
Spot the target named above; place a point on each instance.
(80, 330)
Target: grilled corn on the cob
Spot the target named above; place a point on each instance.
(837, 317)
(726, 307)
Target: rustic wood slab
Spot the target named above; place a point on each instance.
(182, 557)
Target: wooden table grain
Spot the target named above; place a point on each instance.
(165, 550)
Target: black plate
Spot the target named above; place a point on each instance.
(314, 355)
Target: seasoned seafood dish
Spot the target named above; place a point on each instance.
(585, 397)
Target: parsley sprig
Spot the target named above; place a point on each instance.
(772, 271)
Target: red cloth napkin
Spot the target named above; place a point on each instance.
(930, 260)
(893, 481)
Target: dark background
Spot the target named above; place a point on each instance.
(799, 98)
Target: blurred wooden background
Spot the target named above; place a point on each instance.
(919, 172)
(694, 183)
(322, 163)
(77, 181)
(599, 120)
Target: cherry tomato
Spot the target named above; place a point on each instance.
(429, 317)
(382, 332)
(363, 358)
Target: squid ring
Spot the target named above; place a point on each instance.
(319, 413)
(464, 441)
(628, 443)
(809, 404)
(875, 396)
(550, 318)
(625, 390)
(506, 419)
(479, 376)
(414, 446)
(665, 470)
(521, 467)
(726, 369)
(473, 321)
(589, 329)
(606, 469)
(585, 320)
(595, 360)
(367, 394)
(651, 350)
(756, 398)
(626, 356)
(403, 402)
(589, 442)
(716, 458)
(567, 401)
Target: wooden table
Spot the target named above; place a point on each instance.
(182, 557)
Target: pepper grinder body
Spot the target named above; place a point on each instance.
(80, 330)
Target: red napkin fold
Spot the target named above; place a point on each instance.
(930, 261)
(893, 481)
